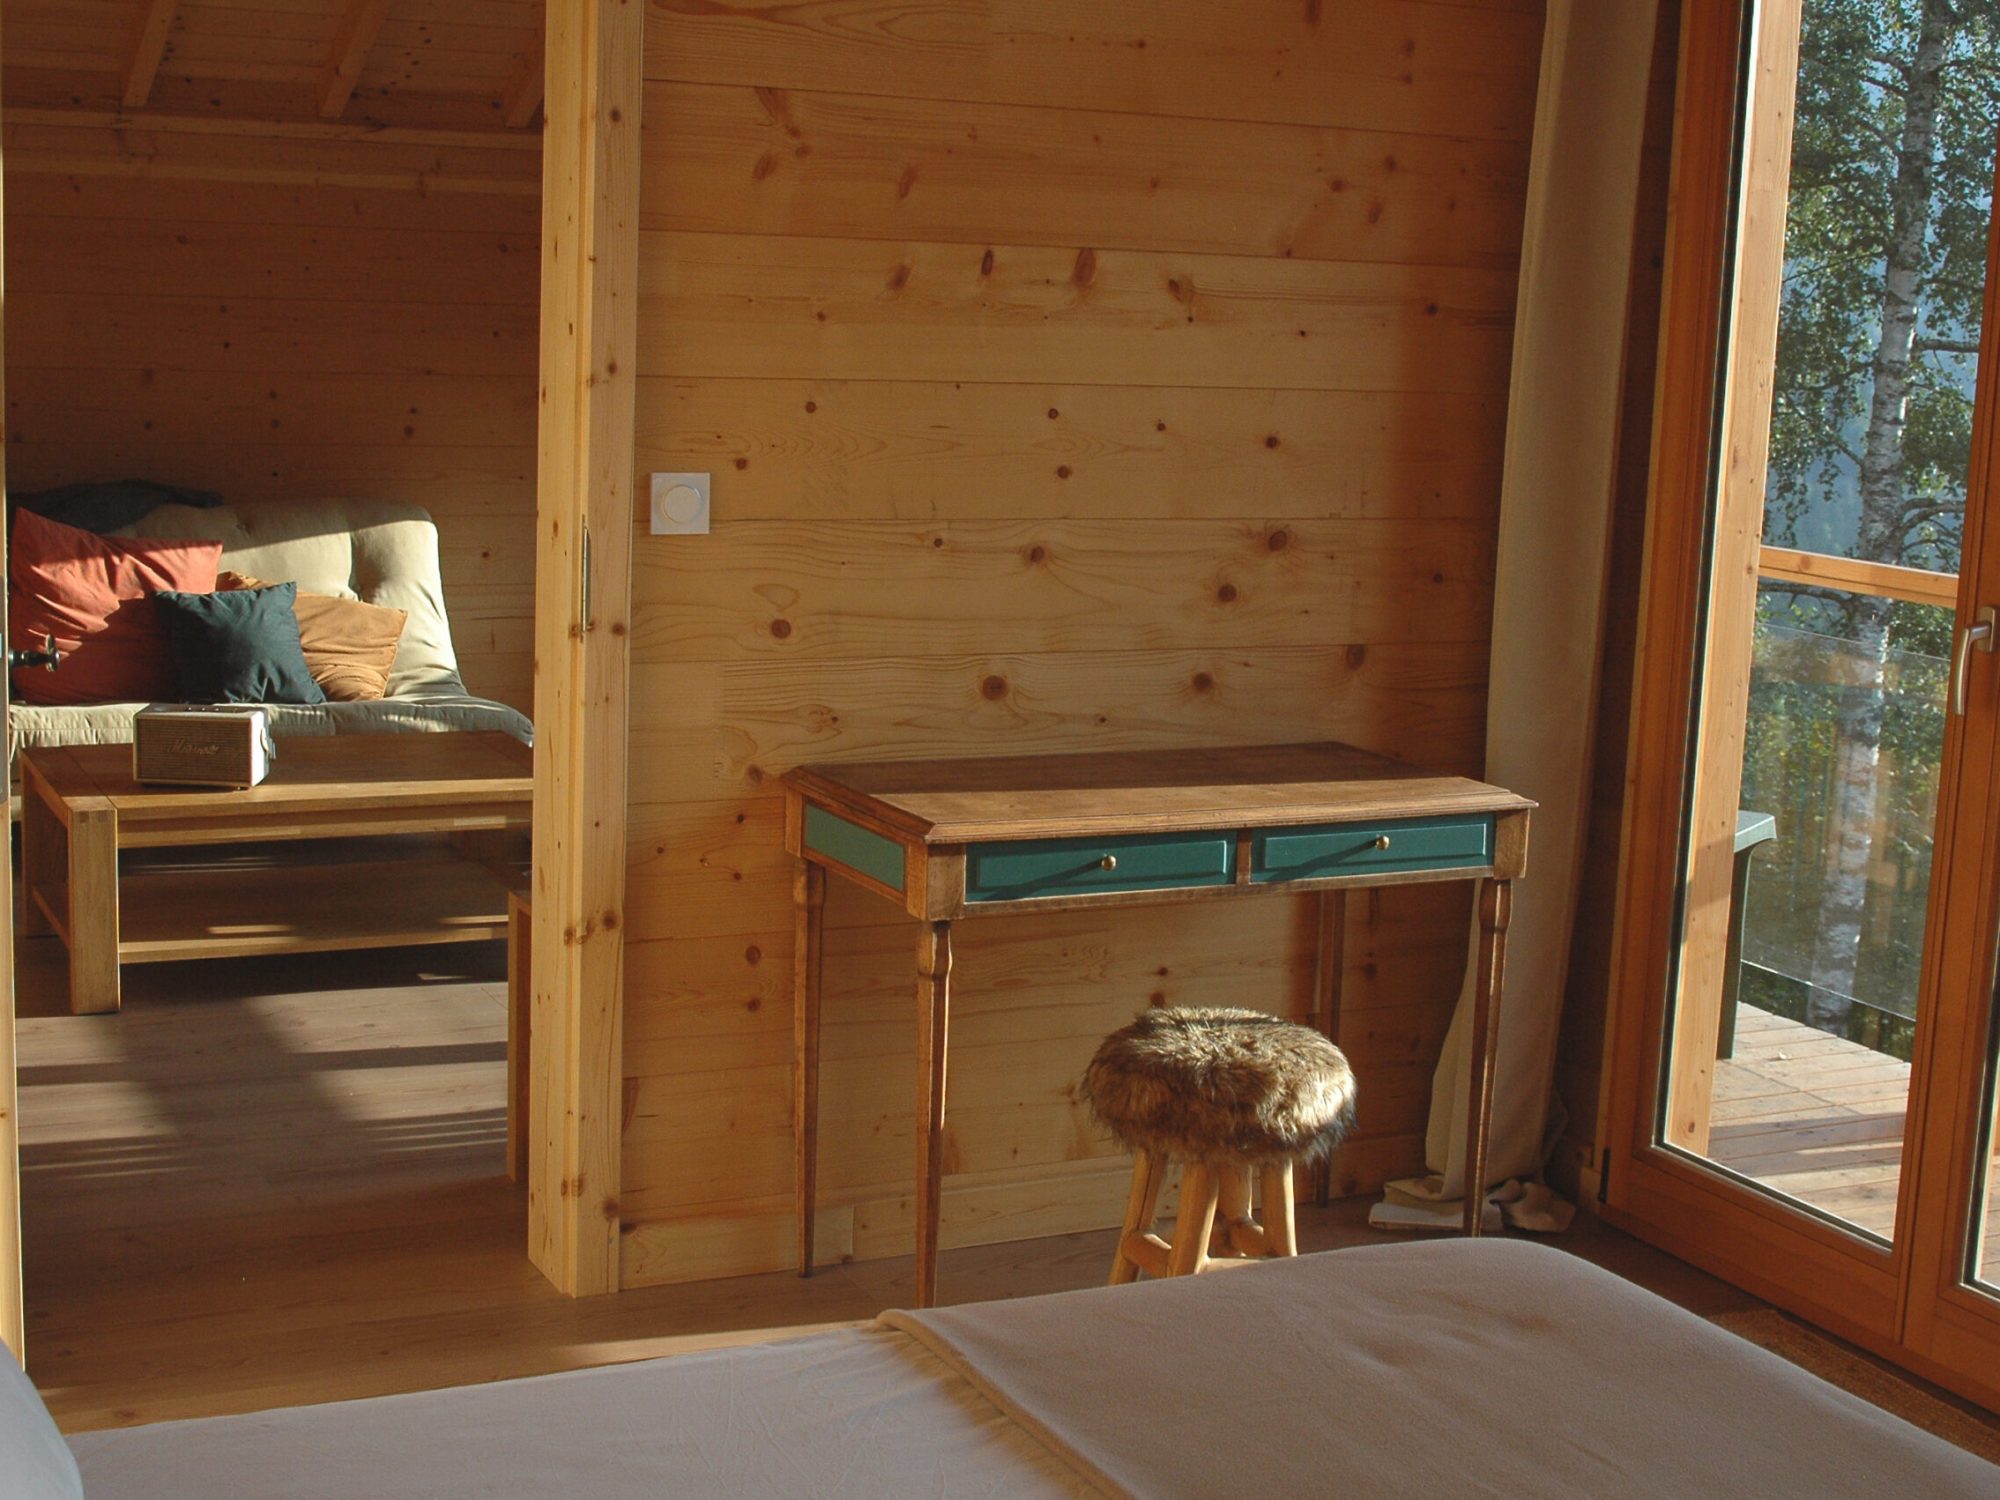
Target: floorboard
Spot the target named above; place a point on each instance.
(280, 1180)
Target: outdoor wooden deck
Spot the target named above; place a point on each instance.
(1818, 1117)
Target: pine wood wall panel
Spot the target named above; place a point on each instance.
(1119, 376)
(287, 315)
(909, 450)
(880, 168)
(1447, 68)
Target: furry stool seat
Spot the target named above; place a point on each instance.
(1227, 1093)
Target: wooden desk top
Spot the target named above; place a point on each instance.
(1055, 796)
(342, 770)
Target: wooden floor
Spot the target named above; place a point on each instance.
(275, 1181)
(1820, 1118)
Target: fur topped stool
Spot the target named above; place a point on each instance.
(1225, 1092)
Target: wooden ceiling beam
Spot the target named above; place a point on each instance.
(342, 72)
(149, 46)
(524, 89)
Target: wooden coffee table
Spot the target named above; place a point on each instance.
(81, 807)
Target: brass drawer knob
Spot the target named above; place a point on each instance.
(1109, 862)
(1381, 841)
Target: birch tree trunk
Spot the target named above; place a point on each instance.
(1858, 728)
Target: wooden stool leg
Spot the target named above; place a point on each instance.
(1196, 1221)
(1280, 1229)
(1232, 1210)
(1148, 1171)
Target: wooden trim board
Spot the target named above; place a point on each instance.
(584, 508)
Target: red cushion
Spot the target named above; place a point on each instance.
(93, 594)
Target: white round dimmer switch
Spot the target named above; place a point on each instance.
(683, 504)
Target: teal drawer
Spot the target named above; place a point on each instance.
(1081, 867)
(1372, 848)
(856, 847)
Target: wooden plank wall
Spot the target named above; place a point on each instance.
(289, 312)
(1106, 376)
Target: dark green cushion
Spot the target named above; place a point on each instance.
(238, 646)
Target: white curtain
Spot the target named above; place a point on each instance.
(1555, 505)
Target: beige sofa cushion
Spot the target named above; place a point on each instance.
(374, 550)
(380, 552)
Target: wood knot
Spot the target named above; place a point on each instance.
(1226, 594)
(1271, 441)
(1278, 541)
(781, 629)
(753, 955)
(1203, 682)
(1084, 272)
(1356, 655)
(1062, 471)
(993, 688)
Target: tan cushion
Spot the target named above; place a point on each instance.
(349, 646)
(377, 551)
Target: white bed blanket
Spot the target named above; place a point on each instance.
(1462, 1368)
(860, 1413)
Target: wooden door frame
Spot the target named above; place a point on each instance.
(583, 594)
(1665, 1196)
(13, 1320)
(1944, 1321)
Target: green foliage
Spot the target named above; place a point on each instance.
(1850, 190)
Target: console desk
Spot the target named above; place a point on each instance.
(955, 840)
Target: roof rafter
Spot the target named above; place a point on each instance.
(350, 51)
(524, 90)
(149, 46)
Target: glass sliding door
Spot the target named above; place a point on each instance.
(1833, 609)
(1807, 1101)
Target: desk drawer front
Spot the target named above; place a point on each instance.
(1372, 848)
(1078, 867)
(856, 847)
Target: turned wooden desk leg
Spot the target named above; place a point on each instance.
(1496, 910)
(1329, 967)
(933, 1022)
(809, 910)
(93, 910)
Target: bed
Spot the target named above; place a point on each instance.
(1485, 1367)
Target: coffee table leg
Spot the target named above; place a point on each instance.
(93, 910)
(933, 1022)
(41, 855)
(1496, 910)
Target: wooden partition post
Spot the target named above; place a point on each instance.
(590, 197)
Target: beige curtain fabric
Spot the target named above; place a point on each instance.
(1554, 524)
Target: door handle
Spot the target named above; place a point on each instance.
(1980, 634)
(46, 657)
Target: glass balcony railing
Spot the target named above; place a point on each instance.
(1843, 748)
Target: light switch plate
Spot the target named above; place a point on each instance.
(680, 505)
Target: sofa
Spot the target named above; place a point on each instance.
(377, 551)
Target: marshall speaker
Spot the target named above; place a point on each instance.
(192, 744)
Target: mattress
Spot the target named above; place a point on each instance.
(1470, 1368)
